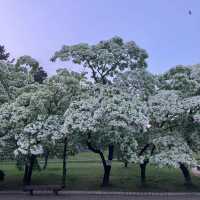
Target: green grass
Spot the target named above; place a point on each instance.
(88, 175)
(85, 156)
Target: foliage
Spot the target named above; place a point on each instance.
(28, 61)
(13, 80)
(109, 117)
(182, 78)
(40, 75)
(145, 117)
(137, 82)
(3, 55)
(171, 150)
(104, 59)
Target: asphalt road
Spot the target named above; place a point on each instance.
(93, 197)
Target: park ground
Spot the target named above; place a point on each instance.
(84, 172)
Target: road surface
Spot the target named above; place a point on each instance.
(94, 197)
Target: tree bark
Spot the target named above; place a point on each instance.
(37, 165)
(64, 164)
(143, 165)
(29, 170)
(186, 174)
(46, 157)
(25, 174)
(106, 164)
(143, 171)
(125, 164)
(107, 167)
(144, 149)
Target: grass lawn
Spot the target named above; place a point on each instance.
(87, 175)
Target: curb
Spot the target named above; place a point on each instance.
(129, 193)
(17, 192)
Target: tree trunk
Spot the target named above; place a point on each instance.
(64, 164)
(186, 174)
(37, 165)
(30, 169)
(106, 164)
(143, 171)
(25, 174)
(125, 164)
(46, 157)
(106, 176)
(143, 165)
(107, 167)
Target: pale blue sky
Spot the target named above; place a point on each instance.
(163, 27)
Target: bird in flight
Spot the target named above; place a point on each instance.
(190, 12)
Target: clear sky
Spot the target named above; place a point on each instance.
(163, 27)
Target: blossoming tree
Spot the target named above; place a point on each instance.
(107, 119)
(35, 117)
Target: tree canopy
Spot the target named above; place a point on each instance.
(3, 55)
(105, 58)
(124, 109)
